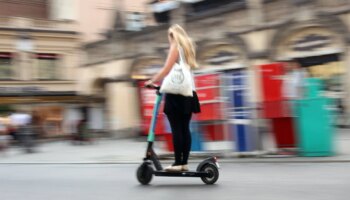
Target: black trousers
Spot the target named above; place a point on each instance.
(180, 127)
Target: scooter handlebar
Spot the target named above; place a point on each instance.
(155, 87)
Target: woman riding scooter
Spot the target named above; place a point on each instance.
(179, 108)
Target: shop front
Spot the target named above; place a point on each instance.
(320, 51)
(225, 92)
(54, 112)
(319, 48)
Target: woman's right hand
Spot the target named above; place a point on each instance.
(151, 84)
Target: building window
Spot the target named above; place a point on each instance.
(48, 66)
(161, 10)
(208, 5)
(332, 4)
(277, 10)
(6, 65)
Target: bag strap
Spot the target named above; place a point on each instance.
(182, 60)
(182, 56)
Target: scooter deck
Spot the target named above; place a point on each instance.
(181, 174)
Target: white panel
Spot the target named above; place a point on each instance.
(64, 9)
(96, 117)
(164, 6)
(135, 21)
(70, 118)
(240, 121)
(218, 145)
(54, 9)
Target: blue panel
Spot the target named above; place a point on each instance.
(239, 86)
(238, 113)
(196, 135)
(240, 138)
(237, 77)
(238, 98)
(238, 81)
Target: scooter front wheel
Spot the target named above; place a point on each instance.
(144, 173)
(213, 172)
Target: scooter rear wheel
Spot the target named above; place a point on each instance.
(213, 172)
(144, 173)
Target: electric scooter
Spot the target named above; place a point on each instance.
(207, 170)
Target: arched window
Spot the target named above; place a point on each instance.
(6, 60)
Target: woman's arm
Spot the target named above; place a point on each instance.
(173, 55)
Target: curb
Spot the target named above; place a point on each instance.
(260, 157)
(193, 159)
(242, 161)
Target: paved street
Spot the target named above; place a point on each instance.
(131, 150)
(106, 170)
(243, 181)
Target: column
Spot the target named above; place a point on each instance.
(346, 81)
(265, 140)
(178, 15)
(123, 109)
(255, 12)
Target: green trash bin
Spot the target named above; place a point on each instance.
(314, 125)
(312, 87)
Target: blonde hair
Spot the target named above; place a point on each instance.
(183, 40)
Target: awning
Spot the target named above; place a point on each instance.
(41, 97)
(163, 6)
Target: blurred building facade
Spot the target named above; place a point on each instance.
(39, 56)
(96, 17)
(229, 34)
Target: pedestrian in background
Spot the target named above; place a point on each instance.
(23, 123)
(293, 83)
(4, 134)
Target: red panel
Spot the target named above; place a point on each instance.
(168, 139)
(207, 80)
(283, 131)
(47, 56)
(160, 127)
(210, 111)
(6, 55)
(208, 94)
(214, 132)
(271, 81)
(275, 109)
(208, 89)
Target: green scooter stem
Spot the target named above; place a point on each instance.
(151, 132)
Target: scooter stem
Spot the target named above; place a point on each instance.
(151, 132)
(152, 156)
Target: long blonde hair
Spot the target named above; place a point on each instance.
(181, 38)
